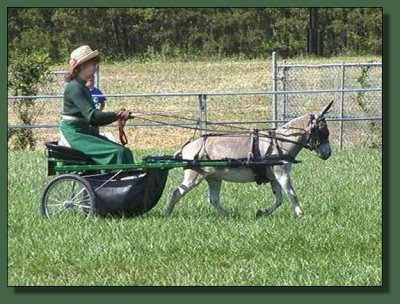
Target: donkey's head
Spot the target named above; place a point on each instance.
(318, 140)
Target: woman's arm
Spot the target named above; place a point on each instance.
(94, 116)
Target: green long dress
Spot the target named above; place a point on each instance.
(81, 132)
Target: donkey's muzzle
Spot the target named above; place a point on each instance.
(324, 150)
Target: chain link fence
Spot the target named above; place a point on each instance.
(356, 88)
(295, 89)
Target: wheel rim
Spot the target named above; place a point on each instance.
(67, 196)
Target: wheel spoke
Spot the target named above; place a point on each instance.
(57, 192)
(84, 206)
(56, 201)
(72, 188)
(55, 205)
(58, 210)
(81, 199)
(80, 191)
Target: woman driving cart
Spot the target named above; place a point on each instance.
(80, 116)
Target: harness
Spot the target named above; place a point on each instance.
(317, 136)
(260, 172)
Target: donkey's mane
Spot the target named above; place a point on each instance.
(296, 124)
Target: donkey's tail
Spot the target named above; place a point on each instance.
(178, 154)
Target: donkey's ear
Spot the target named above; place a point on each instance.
(327, 109)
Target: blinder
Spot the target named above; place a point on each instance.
(319, 133)
(323, 133)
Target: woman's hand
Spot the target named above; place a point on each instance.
(124, 114)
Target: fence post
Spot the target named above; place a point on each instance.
(274, 88)
(341, 106)
(203, 113)
(284, 88)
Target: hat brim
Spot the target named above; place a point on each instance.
(88, 57)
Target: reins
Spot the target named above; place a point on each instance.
(122, 135)
(266, 133)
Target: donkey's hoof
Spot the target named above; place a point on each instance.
(262, 213)
(298, 212)
(259, 214)
(224, 215)
(165, 214)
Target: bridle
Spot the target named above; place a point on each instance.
(318, 134)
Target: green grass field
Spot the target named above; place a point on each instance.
(338, 241)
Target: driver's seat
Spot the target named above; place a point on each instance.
(66, 155)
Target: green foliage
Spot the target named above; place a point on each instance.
(362, 102)
(352, 30)
(122, 33)
(28, 72)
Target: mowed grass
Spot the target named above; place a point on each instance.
(338, 241)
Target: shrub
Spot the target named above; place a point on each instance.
(27, 72)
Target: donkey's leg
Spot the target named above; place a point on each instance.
(282, 175)
(191, 179)
(277, 190)
(215, 189)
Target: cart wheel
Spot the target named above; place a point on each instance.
(66, 194)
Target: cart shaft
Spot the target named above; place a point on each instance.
(170, 164)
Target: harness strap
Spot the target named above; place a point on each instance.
(260, 172)
(272, 136)
(122, 136)
(276, 139)
(255, 144)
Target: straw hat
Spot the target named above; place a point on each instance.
(82, 54)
